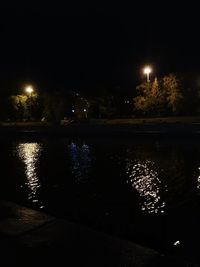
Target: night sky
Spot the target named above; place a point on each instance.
(79, 46)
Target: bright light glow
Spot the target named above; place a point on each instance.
(198, 180)
(73, 110)
(29, 153)
(85, 110)
(176, 243)
(147, 70)
(29, 89)
(144, 178)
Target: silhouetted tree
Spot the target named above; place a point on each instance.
(54, 106)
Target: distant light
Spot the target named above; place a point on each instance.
(147, 70)
(176, 243)
(73, 110)
(29, 89)
(85, 110)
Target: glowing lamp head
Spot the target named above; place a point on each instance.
(147, 70)
(29, 89)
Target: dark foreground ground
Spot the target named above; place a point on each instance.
(31, 238)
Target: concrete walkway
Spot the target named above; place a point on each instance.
(31, 238)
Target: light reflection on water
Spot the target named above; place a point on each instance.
(198, 180)
(29, 153)
(80, 161)
(144, 178)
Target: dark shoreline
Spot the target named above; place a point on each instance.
(174, 129)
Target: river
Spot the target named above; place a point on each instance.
(143, 189)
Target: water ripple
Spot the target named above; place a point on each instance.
(143, 177)
(29, 153)
(80, 161)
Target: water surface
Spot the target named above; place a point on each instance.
(142, 189)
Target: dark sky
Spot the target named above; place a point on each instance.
(73, 47)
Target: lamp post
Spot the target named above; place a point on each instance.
(147, 71)
(85, 111)
(29, 90)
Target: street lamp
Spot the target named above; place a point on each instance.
(85, 111)
(147, 71)
(29, 89)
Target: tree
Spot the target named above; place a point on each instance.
(54, 106)
(160, 97)
(150, 99)
(20, 107)
(103, 104)
(172, 86)
(81, 106)
(141, 102)
(24, 107)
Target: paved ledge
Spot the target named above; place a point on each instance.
(31, 238)
(16, 220)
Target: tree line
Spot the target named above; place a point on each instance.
(164, 96)
(167, 96)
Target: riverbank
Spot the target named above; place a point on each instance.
(34, 238)
(104, 129)
(139, 121)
